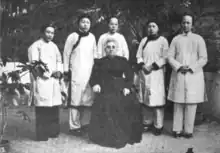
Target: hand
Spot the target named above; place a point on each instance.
(126, 91)
(46, 75)
(183, 69)
(190, 70)
(67, 76)
(57, 75)
(96, 88)
(147, 69)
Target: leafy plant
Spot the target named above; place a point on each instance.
(5, 87)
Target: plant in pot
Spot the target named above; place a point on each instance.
(8, 87)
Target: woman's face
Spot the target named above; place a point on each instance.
(113, 25)
(187, 23)
(49, 34)
(84, 24)
(152, 28)
(110, 48)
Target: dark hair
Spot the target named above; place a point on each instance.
(188, 14)
(84, 16)
(147, 24)
(45, 26)
(111, 17)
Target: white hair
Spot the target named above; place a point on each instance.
(111, 40)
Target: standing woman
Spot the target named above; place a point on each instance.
(78, 56)
(45, 85)
(151, 61)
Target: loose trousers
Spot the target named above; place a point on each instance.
(47, 122)
(78, 117)
(153, 115)
(184, 117)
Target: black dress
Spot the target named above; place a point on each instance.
(116, 119)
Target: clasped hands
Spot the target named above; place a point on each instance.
(57, 75)
(147, 69)
(97, 88)
(185, 69)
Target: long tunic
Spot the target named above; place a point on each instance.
(80, 62)
(122, 48)
(151, 86)
(188, 50)
(46, 92)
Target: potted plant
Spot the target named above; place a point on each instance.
(5, 87)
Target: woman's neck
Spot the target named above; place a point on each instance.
(153, 37)
(82, 33)
(45, 40)
(112, 33)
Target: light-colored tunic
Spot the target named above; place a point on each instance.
(188, 50)
(122, 49)
(151, 86)
(46, 92)
(80, 61)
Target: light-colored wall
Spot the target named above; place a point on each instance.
(12, 66)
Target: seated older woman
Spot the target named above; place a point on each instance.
(116, 115)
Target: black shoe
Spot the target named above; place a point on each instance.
(187, 135)
(76, 132)
(157, 131)
(177, 135)
(147, 127)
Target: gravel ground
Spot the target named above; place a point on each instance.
(22, 133)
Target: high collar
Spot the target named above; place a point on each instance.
(186, 34)
(46, 42)
(82, 34)
(112, 33)
(110, 57)
(153, 37)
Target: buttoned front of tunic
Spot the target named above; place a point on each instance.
(187, 50)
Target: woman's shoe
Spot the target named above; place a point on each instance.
(147, 127)
(76, 132)
(187, 135)
(177, 134)
(157, 131)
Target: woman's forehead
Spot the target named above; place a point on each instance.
(152, 24)
(85, 19)
(187, 18)
(50, 29)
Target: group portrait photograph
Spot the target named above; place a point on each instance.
(103, 76)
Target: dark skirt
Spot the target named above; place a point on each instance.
(47, 123)
(116, 120)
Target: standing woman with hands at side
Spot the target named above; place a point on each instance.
(78, 57)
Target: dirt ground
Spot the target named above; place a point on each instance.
(22, 134)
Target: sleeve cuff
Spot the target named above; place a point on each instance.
(155, 66)
(193, 69)
(139, 66)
